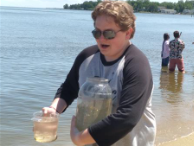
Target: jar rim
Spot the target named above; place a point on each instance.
(39, 117)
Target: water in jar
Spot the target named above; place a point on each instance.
(45, 130)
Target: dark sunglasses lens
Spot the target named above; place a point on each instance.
(109, 34)
(96, 34)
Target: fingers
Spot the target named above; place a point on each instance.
(73, 128)
(75, 134)
(73, 131)
(73, 122)
(47, 111)
(44, 110)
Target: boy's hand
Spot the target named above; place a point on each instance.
(74, 132)
(48, 110)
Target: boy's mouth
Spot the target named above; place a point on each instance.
(104, 46)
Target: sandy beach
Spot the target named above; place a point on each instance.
(184, 141)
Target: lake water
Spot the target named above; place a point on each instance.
(38, 47)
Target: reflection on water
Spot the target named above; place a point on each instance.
(171, 82)
(176, 115)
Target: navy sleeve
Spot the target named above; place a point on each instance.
(136, 90)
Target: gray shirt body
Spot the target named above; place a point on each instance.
(132, 122)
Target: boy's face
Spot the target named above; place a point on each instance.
(112, 49)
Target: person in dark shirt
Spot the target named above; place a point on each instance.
(132, 122)
(176, 48)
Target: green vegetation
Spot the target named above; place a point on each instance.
(139, 5)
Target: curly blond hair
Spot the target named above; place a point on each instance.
(120, 11)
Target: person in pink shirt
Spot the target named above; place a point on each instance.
(165, 50)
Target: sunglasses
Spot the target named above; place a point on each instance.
(108, 34)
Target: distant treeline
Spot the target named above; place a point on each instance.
(138, 5)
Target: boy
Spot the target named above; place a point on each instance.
(115, 58)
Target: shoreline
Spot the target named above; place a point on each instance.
(183, 141)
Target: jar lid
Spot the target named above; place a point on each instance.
(98, 79)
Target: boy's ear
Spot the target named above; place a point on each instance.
(128, 33)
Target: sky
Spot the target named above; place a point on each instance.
(50, 3)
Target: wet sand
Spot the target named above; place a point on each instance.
(184, 141)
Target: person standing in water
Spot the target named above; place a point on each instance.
(165, 50)
(176, 49)
(114, 57)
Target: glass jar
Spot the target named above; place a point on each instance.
(45, 126)
(94, 102)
